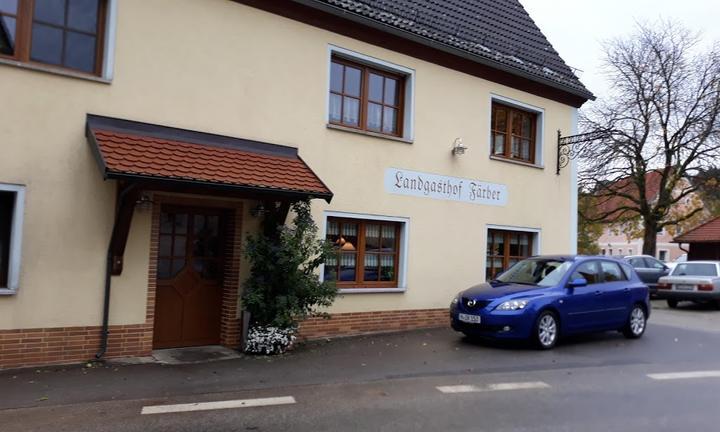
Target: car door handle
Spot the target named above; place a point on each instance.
(598, 293)
(626, 289)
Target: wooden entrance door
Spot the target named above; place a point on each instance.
(189, 278)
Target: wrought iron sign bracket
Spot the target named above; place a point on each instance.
(566, 146)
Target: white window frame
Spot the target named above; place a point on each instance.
(539, 129)
(16, 229)
(667, 254)
(408, 130)
(403, 258)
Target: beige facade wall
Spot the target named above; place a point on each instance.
(220, 67)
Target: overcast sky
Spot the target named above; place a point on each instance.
(577, 28)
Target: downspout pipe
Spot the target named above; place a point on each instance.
(108, 276)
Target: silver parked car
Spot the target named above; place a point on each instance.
(697, 281)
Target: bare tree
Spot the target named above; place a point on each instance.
(661, 117)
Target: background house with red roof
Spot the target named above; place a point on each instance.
(622, 232)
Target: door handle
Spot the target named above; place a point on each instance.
(626, 289)
(598, 293)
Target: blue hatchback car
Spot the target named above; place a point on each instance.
(544, 297)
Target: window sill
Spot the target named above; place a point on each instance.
(54, 71)
(367, 133)
(516, 162)
(370, 290)
(7, 292)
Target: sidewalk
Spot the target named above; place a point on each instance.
(366, 358)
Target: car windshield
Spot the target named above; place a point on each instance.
(543, 272)
(695, 269)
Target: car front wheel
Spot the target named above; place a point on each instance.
(636, 324)
(546, 330)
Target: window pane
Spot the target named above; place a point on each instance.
(526, 126)
(7, 208)
(7, 35)
(375, 92)
(181, 222)
(348, 237)
(372, 238)
(391, 93)
(499, 144)
(347, 267)
(82, 15)
(387, 267)
(352, 81)
(50, 11)
(333, 228)
(166, 223)
(80, 51)
(9, 6)
(389, 120)
(500, 119)
(351, 111)
(370, 272)
(335, 107)
(516, 123)
(331, 268)
(46, 44)
(388, 238)
(525, 149)
(336, 77)
(179, 246)
(515, 149)
(514, 244)
(374, 116)
(165, 246)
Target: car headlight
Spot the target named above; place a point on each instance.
(455, 300)
(512, 305)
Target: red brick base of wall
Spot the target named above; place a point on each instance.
(47, 346)
(359, 323)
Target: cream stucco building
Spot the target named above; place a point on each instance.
(140, 137)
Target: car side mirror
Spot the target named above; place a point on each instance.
(579, 282)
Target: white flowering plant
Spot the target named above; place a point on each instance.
(269, 340)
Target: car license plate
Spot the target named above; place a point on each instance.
(682, 287)
(473, 319)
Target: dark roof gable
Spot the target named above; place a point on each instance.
(498, 33)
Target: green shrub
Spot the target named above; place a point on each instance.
(283, 287)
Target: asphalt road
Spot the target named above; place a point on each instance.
(426, 380)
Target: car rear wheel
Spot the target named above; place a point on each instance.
(547, 331)
(672, 304)
(637, 322)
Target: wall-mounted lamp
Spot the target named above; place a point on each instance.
(458, 147)
(144, 202)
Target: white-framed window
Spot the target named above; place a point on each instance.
(603, 252)
(64, 37)
(662, 254)
(371, 252)
(506, 245)
(12, 209)
(516, 131)
(369, 95)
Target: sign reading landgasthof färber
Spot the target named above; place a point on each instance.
(419, 184)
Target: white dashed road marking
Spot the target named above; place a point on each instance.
(206, 406)
(493, 387)
(685, 375)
